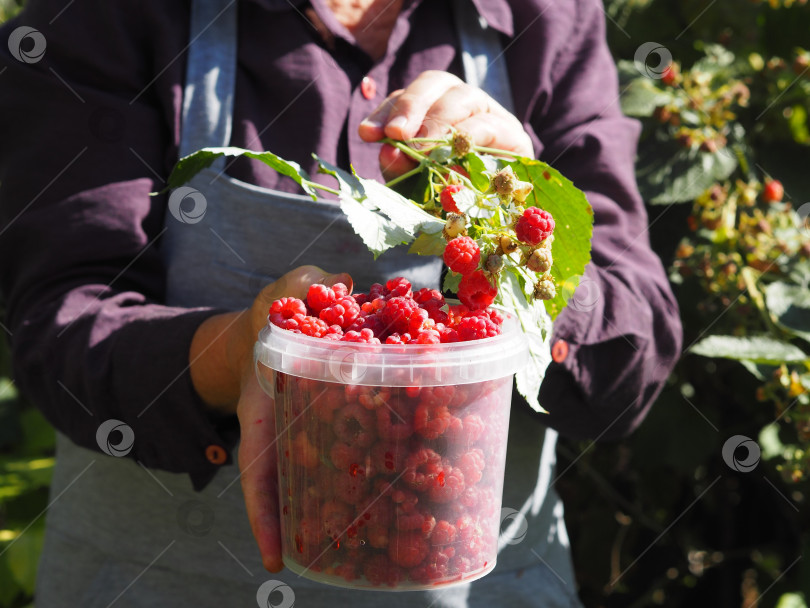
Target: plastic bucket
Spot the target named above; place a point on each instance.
(391, 457)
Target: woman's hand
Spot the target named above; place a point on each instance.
(222, 372)
(431, 106)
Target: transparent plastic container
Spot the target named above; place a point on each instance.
(391, 457)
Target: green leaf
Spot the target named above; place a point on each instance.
(400, 210)
(792, 600)
(451, 281)
(537, 326)
(23, 556)
(378, 233)
(573, 217)
(669, 173)
(441, 154)
(9, 589)
(759, 349)
(769, 441)
(428, 244)
(478, 168)
(640, 97)
(789, 306)
(189, 166)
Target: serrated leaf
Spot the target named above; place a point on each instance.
(759, 349)
(400, 210)
(641, 96)
(189, 166)
(477, 168)
(537, 327)
(451, 281)
(348, 183)
(441, 154)
(378, 233)
(465, 201)
(428, 244)
(789, 306)
(573, 217)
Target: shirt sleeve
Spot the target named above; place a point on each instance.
(621, 330)
(85, 137)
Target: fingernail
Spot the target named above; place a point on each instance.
(369, 122)
(400, 122)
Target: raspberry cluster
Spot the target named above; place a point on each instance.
(393, 313)
(392, 486)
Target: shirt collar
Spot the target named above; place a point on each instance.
(496, 13)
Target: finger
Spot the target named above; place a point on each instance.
(394, 163)
(372, 127)
(259, 473)
(497, 131)
(408, 109)
(458, 103)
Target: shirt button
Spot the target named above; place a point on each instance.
(368, 87)
(559, 351)
(216, 454)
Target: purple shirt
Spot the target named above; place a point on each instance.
(93, 127)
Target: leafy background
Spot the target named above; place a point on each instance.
(658, 519)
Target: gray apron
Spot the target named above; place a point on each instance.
(121, 535)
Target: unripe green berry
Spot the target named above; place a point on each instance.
(540, 260)
(455, 225)
(545, 289)
(494, 263)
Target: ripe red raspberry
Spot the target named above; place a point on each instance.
(312, 326)
(476, 328)
(285, 308)
(669, 75)
(773, 191)
(379, 570)
(365, 336)
(397, 313)
(396, 338)
(443, 534)
(354, 425)
(534, 226)
(447, 334)
(351, 489)
(430, 421)
(319, 297)
(447, 485)
(427, 336)
(395, 421)
(343, 312)
(388, 457)
(343, 456)
(408, 549)
(336, 517)
(475, 291)
(421, 469)
(446, 197)
(472, 464)
(398, 287)
(462, 255)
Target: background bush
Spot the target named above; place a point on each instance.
(659, 519)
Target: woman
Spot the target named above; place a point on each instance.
(143, 311)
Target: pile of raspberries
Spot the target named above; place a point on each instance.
(388, 314)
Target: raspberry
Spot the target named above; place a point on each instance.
(540, 260)
(319, 297)
(372, 397)
(448, 485)
(773, 191)
(534, 226)
(417, 321)
(430, 421)
(476, 328)
(388, 457)
(475, 291)
(545, 289)
(455, 224)
(286, 308)
(364, 336)
(376, 511)
(427, 336)
(443, 534)
(343, 456)
(408, 549)
(379, 570)
(314, 327)
(343, 312)
(395, 421)
(446, 197)
(460, 170)
(421, 469)
(327, 403)
(336, 517)
(395, 338)
(447, 335)
(397, 313)
(398, 287)
(350, 488)
(462, 255)
(354, 425)
(472, 464)
(669, 75)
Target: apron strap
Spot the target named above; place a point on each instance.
(210, 76)
(211, 70)
(482, 54)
